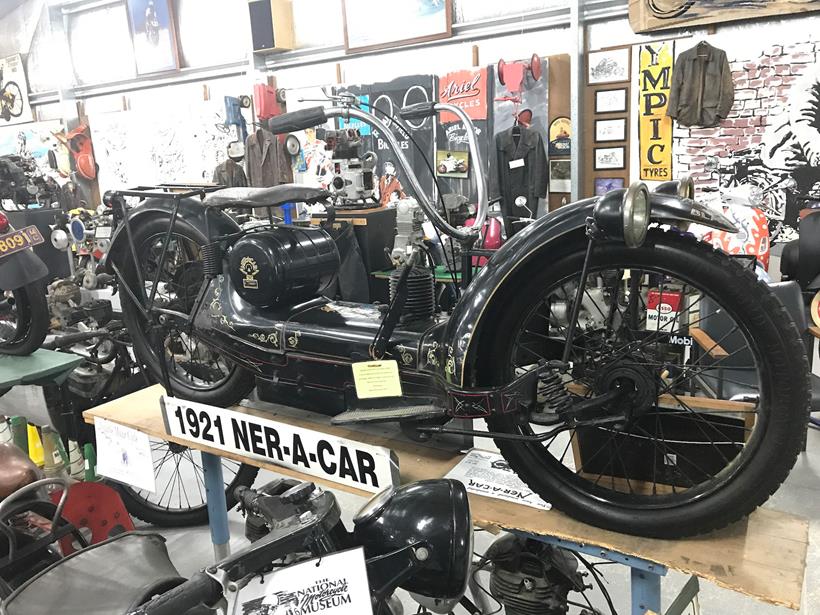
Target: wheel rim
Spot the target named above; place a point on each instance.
(191, 362)
(180, 479)
(12, 91)
(606, 461)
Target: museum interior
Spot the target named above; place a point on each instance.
(374, 307)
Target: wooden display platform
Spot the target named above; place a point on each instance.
(763, 556)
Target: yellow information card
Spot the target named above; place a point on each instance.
(376, 379)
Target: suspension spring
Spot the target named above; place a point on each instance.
(211, 260)
(551, 388)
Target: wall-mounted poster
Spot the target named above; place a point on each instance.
(14, 106)
(374, 24)
(559, 176)
(452, 164)
(605, 184)
(466, 89)
(654, 126)
(648, 15)
(610, 130)
(608, 66)
(610, 101)
(560, 142)
(154, 35)
(607, 158)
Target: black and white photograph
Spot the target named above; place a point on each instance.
(559, 176)
(610, 130)
(606, 158)
(153, 33)
(610, 101)
(609, 66)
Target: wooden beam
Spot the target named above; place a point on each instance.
(695, 403)
(707, 344)
(475, 56)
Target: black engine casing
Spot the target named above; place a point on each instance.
(284, 265)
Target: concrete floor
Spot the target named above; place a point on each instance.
(190, 548)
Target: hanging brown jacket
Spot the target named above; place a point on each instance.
(702, 88)
(266, 161)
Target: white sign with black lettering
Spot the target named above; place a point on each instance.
(124, 455)
(333, 584)
(363, 466)
(486, 473)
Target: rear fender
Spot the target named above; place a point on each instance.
(20, 269)
(538, 245)
(191, 211)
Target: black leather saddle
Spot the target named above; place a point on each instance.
(111, 577)
(265, 197)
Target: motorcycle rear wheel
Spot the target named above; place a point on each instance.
(758, 451)
(24, 319)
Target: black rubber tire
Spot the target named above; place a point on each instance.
(236, 387)
(784, 382)
(34, 321)
(140, 508)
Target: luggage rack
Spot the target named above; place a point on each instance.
(174, 190)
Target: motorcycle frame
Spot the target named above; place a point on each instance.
(504, 273)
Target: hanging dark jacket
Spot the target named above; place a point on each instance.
(702, 88)
(230, 175)
(266, 161)
(521, 164)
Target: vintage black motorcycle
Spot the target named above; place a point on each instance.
(610, 353)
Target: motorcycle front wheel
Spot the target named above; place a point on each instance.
(710, 376)
(24, 319)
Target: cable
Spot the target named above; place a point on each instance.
(598, 579)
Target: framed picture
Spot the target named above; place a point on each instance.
(559, 176)
(154, 36)
(610, 101)
(607, 158)
(452, 164)
(610, 130)
(605, 184)
(560, 143)
(608, 66)
(372, 24)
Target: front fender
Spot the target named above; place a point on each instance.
(540, 242)
(20, 269)
(191, 211)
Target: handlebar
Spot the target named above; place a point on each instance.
(199, 589)
(297, 120)
(313, 116)
(69, 339)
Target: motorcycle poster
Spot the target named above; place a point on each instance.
(153, 35)
(452, 164)
(14, 104)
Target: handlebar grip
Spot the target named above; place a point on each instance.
(418, 111)
(297, 120)
(199, 589)
(69, 339)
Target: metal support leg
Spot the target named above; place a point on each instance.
(646, 592)
(217, 507)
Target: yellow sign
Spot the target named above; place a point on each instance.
(654, 127)
(376, 379)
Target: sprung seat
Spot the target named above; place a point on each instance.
(265, 197)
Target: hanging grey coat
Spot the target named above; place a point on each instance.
(702, 88)
(521, 164)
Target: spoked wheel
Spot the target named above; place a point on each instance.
(197, 371)
(706, 380)
(13, 99)
(180, 496)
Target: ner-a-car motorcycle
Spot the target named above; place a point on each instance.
(631, 375)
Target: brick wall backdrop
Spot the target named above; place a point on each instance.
(761, 94)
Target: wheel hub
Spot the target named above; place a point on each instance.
(638, 387)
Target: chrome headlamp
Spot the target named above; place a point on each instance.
(624, 214)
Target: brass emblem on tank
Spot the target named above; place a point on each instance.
(293, 340)
(406, 357)
(432, 355)
(450, 366)
(249, 268)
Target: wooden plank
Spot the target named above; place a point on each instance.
(653, 15)
(763, 556)
(707, 344)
